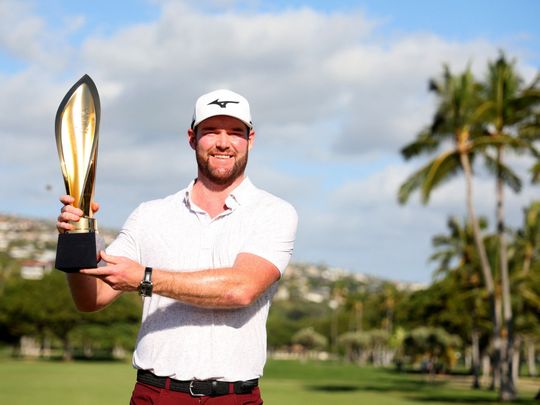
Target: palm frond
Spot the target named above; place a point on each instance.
(529, 129)
(429, 176)
(531, 297)
(535, 170)
(412, 183)
(441, 169)
(483, 111)
(504, 140)
(424, 143)
(498, 169)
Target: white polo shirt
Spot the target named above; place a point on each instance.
(185, 342)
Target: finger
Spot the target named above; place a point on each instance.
(100, 272)
(64, 226)
(72, 210)
(95, 206)
(109, 258)
(66, 199)
(68, 216)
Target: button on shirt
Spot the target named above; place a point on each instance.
(185, 342)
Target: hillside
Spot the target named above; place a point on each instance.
(30, 242)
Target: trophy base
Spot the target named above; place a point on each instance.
(76, 251)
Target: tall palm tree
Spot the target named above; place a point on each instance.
(527, 239)
(457, 120)
(536, 172)
(529, 130)
(458, 263)
(505, 105)
(525, 259)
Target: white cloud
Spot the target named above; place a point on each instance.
(333, 100)
(28, 37)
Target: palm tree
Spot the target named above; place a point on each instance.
(525, 259)
(505, 105)
(527, 240)
(529, 129)
(456, 119)
(536, 172)
(458, 264)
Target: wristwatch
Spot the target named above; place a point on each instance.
(145, 287)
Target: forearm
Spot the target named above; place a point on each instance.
(229, 287)
(214, 288)
(89, 293)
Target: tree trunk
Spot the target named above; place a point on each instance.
(516, 361)
(486, 368)
(508, 390)
(527, 261)
(334, 332)
(68, 350)
(486, 268)
(475, 338)
(531, 357)
(497, 344)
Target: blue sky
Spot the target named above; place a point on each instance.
(336, 87)
(458, 20)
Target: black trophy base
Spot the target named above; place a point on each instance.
(76, 251)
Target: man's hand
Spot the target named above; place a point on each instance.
(121, 273)
(70, 213)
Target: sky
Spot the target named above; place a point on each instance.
(336, 89)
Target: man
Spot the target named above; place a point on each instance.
(207, 260)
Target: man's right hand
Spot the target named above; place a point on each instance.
(70, 213)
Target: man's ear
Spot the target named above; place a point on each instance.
(192, 138)
(251, 139)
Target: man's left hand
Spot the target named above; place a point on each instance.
(121, 273)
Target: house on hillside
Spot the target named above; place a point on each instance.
(35, 269)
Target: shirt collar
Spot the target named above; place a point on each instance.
(187, 196)
(240, 195)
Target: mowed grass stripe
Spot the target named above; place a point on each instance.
(284, 383)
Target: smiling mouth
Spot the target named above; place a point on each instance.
(222, 157)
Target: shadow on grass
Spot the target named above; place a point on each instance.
(332, 388)
(397, 385)
(464, 399)
(461, 399)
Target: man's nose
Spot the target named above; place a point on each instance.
(222, 139)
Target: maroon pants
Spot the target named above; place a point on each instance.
(144, 394)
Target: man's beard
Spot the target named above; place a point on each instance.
(223, 178)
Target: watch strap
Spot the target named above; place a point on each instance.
(148, 274)
(146, 286)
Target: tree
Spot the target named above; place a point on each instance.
(459, 265)
(456, 119)
(40, 308)
(44, 309)
(527, 239)
(525, 256)
(310, 339)
(355, 345)
(505, 105)
(433, 345)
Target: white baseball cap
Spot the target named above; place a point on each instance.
(221, 102)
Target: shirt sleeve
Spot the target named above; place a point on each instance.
(273, 233)
(126, 243)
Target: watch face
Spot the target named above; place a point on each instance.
(145, 288)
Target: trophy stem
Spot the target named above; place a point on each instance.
(77, 133)
(85, 224)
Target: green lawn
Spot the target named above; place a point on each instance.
(284, 383)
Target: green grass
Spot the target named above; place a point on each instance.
(284, 383)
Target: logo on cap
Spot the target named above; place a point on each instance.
(222, 104)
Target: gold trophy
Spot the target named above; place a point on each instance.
(77, 134)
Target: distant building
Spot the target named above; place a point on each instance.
(34, 269)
